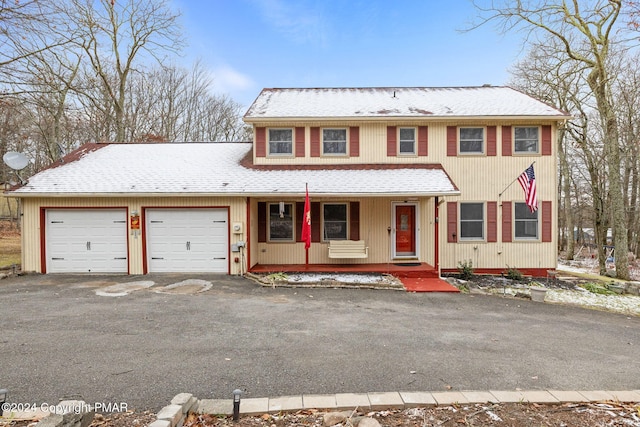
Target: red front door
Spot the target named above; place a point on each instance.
(405, 230)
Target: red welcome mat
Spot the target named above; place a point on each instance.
(426, 284)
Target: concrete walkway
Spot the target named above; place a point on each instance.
(172, 414)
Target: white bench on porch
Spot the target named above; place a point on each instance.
(348, 249)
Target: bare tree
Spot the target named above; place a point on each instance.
(118, 36)
(585, 33)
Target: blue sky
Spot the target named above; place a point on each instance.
(252, 44)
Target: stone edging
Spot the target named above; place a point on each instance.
(174, 414)
(329, 283)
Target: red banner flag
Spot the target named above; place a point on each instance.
(306, 222)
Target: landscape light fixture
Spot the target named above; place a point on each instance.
(236, 404)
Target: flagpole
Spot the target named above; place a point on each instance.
(511, 183)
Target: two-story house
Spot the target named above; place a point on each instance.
(394, 176)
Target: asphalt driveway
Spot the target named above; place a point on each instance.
(58, 339)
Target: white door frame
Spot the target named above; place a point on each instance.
(416, 230)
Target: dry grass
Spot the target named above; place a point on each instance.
(10, 247)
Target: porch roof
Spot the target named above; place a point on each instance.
(220, 169)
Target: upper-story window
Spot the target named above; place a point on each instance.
(526, 222)
(471, 140)
(334, 141)
(525, 139)
(407, 138)
(280, 142)
(471, 221)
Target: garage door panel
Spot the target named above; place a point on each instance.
(187, 240)
(86, 240)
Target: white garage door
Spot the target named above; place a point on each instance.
(187, 240)
(86, 241)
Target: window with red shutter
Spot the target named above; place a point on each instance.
(452, 141)
(507, 235)
(452, 222)
(354, 141)
(547, 218)
(491, 141)
(300, 142)
(506, 141)
(314, 139)
(423, 140)
(392, 147)
(492, 221)
(546, 141)
(261, 142)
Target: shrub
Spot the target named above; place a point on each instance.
(597, 288)
(465, 269)
(513, 274)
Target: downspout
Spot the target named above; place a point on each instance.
(436, 230)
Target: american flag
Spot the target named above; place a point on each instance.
(528, 182)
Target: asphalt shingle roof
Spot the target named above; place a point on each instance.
(218, 169)
(422, 102)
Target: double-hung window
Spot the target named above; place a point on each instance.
(281, 222)
(334, 216)
(334, 142)
(280, 142)
(471, 221)
(525, 139)
(526, 222)
(471, 140)
(407, 138)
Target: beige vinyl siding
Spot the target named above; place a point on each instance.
(31, 222)
(373, 142)
(480, 178)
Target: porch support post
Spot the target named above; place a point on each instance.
(436, 232)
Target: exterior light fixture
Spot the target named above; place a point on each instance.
(3, 397)
(236, 404)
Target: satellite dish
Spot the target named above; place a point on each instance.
(16, 161)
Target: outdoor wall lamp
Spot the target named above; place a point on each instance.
(3, 397)
(236, 404)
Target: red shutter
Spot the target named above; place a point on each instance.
(491, 141)
(299, 142)
(315, 142)
(299, 216)
(492, 221)
(354, 141)
(354, 220)
(452, 222)
(262, 222)
(315, 222)
(506, 222)
(547, 215)
(546, 140)
(506, 140)
(392, 147)
(452, 141)
(261, 142)
(423, 140)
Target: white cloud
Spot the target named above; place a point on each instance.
(231, 79)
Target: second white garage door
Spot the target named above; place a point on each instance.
(187, 240)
